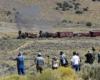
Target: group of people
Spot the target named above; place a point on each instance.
(39, 61)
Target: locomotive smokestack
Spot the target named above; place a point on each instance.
(40, 33)
(19, 33)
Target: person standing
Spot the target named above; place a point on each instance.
(89, 57)
(99, 57)
(54, 63)
(20, 63)
(63, 60)
(39, 61)
(75, 62)
(80, 61)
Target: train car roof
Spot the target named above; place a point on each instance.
(95, 31)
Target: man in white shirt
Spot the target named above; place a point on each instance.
(75, 62)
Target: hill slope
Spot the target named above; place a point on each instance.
(47, 14)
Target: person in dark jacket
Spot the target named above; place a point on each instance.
(20, 63)
(63, 60)
(89, 58)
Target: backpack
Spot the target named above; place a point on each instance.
(66, 62)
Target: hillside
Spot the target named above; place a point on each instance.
(48, 15)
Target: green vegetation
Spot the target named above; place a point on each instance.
(79, 12)
(61, 74)
(56, 8)
(65, 4)
(64, 21)
(60, 5)
(93, 0)
(70, 6)
(14, 9)
(88, 24)
(85, 9)
(8, 13)
(90, 72)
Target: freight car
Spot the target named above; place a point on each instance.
(92, 33)
(65, 34)
(57, 34)
(95, 33)
(82, 34)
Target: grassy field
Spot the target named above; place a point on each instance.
(50, 46)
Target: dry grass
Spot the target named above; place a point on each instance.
(50, 46)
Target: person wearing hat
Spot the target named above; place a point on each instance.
(54, 63)
(39, 61)
(89, 58)
(20, 63)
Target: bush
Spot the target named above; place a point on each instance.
(60, 5)
(70, 6)
(14, 9)
(93, 0)
(64, 21)
(79, 12)
(56, 8)
(63, 73)
(10, 20)
(65, 4)
(90, 72)
(88, 24)
(85, 9)
(8, 13)
(64, 9)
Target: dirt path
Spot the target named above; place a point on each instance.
(23, 46)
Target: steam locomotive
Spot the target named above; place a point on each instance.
(92, 33)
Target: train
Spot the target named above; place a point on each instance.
(92, 33)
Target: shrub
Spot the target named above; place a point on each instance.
(70, 21)
(63, 73)
(64, 9)
(90, 72)
(85, 9)
(59, 4)
(56, 8)
(79, 12)
(65, 4)
(93, 0)
(14, 9)
(8, 13)
(70, 6)
(67, 9)
(64, 21)
(10, 20)
(88, 24)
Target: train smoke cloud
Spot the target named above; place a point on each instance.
(19, 20)
(27, 15)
